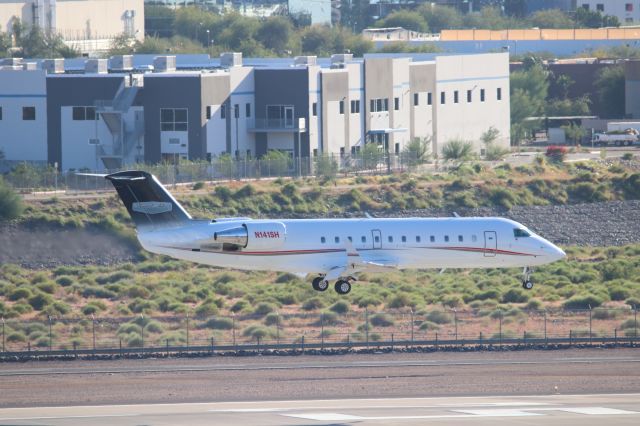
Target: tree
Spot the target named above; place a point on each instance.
(122, 44)
(493, 151)
(564, 82)
(274, 33)
(159, 20)
(404, 47)
(440, 18)
(371, 156)
(565, 107)
(517, 8)
(11, 205)
(550, 18)
(529, 89)
(405, 19)
(5, 44)
(417, 151)
(326, 166)
(457, 150)
(594, 19)
(610, 91)
(316, 40)
(574, 133)
(490, 135)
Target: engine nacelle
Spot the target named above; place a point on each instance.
(254, 236)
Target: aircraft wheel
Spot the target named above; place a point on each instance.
(320, 284)
(343, 287)
(527, 285)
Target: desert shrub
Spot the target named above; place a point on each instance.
(340, 307)
(287, 298)
(534, 305)
(502, 197)
(153, 327)
(619, 293)
(369, 300)
(556, 154)
(64, 281)
(57, 308)
(218, 324)
(515, 295)
(264, 308)
(47, 287)
(439, 317)
(258, 332)
(20, 293)
(313, 304)
(627, 156)
(272, 319)
(381, 320)
(605, 314)
(197, 186)
(16, 337)
(239, 306)
(98, 292)
(429, 326)
(328, 318)
(286, 278)
(583, 301)
(452, 301)
(633, 302)
(11, 205)
(401, 300)
(207, 308)
(21, 308)
(40, 300)
(488, 294)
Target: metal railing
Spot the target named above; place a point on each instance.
(327, 330)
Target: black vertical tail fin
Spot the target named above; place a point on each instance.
(146, 200)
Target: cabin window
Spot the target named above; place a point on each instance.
(460, 239)
(350, 239)
(377, 239)
(363, 239)
(404, 239)
(417, 238)
(323, 240)
(520, 233)
(432, 239)
(390, 239)
(474, 238)
(337, 239)
(446, 238)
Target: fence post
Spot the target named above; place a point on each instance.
(570, 335)
(233, 330)
(302, 344)
(167, 345)
(93, 331)
(500, 320)
(142, 331)
(455, 321)
(635, 323)
(277, 327)
(366, 325)
(212, 349)
(545, 327)
(3, 338)
(75, 349)
(615, 337)
(391, 342)
(187, 332)
(590, 335)
(436, 340)
(120, 348)
(322, 331)
(50, 335)
(412, 323)
(524, 337)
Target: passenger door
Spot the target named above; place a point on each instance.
(490, 243)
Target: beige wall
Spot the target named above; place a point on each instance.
(80, 19)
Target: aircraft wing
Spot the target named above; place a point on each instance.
(359, 261)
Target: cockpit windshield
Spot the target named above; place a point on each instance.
(521, 233)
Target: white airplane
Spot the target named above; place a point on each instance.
(328, 249)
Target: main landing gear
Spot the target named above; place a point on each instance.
(342, 285)
(526, 278)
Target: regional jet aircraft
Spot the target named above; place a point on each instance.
(328, 249)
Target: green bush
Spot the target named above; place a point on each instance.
(272, 319)
(20, 293)
(439, 317)
(99, 292)
(16, 337)
(240, 305)
(153, 327)
(207, 308)
(40, 301)
(11, 205)
(313, 304)
(340, 307)
(381, 320)
(258, 332)
(264, 308)
(64, 281)
(219, 324)
(47, 287)
(429, 326)
(515, 295)
(583, 301)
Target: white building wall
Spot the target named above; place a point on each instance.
(314, 127)
(336, 126)
(23, 140)
(401, 117)
(422, 116)
(356, 92)
(467, 121)
(242, 93)
(77, 152)
(216, 129)
(617, 8)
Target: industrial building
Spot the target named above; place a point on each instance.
(104, 114)
(87, 25)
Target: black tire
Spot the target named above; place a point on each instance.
(319, 284)
(342, 287)
(527, 285)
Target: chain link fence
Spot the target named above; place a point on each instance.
(328, 329)
(27, 178)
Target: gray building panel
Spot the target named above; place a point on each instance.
(182, 91)
(69, 90)
(215, 91)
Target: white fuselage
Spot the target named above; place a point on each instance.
(318, 245)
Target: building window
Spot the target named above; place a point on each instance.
(432, 238)
(355, 107)
(469, 97)
(341, 106)
(429, 99)
(585, 6)
(323, 240)
(416, 99)
(208, 113)
(499, 93)
(442, 98)
(373, 105)
(247, 110)
(236, 111)
(628, 7)
(173, 119)
(396, 104)
(481, 95)
(455, 96)
(223, 111)
(29, 113)
(385, 104)
(600, 7)
(0, 113)
(379, 105)
(397, 148)
(83, 113)
(94, 141)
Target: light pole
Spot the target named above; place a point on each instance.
(208, 41)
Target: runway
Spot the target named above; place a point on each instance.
(591, 409)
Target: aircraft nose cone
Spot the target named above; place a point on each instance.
(558, 253)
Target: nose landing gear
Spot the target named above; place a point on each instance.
(526, 278)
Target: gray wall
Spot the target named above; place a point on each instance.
(69, 90)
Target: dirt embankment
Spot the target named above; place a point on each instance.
(595, 224)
